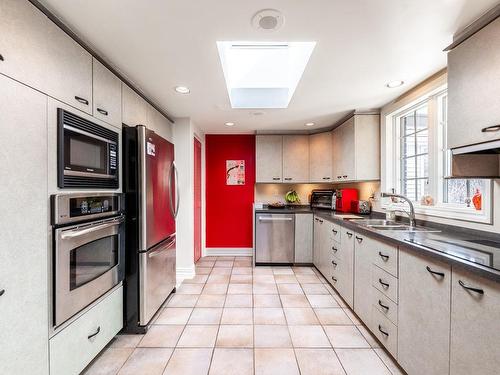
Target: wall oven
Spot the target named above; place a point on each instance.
(87, 153)
(89, 246)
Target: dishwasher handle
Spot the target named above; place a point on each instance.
(265, 218)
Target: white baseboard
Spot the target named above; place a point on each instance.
(184, 273)
(229, 251)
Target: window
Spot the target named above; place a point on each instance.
(417, 159)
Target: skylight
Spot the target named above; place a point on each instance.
(263, 74)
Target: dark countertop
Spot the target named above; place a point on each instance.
(476, 251)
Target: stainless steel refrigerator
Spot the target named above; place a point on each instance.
(152, 203)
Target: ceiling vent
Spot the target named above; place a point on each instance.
(268, 20)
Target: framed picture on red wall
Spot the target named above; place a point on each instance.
(235, 172)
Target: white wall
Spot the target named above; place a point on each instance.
(184, 131)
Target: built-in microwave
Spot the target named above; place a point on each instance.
(87, 153)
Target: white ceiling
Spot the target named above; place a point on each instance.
(361, 45)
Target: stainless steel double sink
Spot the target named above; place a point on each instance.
(389, 225)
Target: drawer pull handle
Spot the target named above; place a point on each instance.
(1, 57)
(382, 331)
(2, 292)
(94, 334)
(334, 263)
(82, 100)
(384, 257)
(288, 179)
(360, 239)
(385, 285)
(276, 178)
(334, 249)
(339, 176)
(334, 279)
(441, 274)
(326, 178)
(321, 221)
(102, 111)
(345, 176)
(349, 234)
(493, 128)
(475, 290)
(382, 305)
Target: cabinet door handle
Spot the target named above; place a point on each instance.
(1, 57)
(349, 234)
(475, 290)
(360, 239)
(384, 257)
(382, 305)
(82, 100)
(334, 263)
(491, 129)
(345, 176)
(384, 284)
(339, 176)
(102, 111)
(321, 221)
(95, 333)
(335, 231)
(2, 292)
(334, 279)
(382, 331)
(334, 249)
(276, 178)
(441, 274)
(326, 178)
(288, 179)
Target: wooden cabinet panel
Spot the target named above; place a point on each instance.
(70, 70)
(363, 257)
(367, 147)
(303, 238)
(269, 158)
(385, 282)
(386, 257)
(134, 108)
(385, 305)
(385, 331)
(475, 318)
(107, 95)
(295, 158)
(424, 315)
(23, 43)
(474, 88)
(24, 305)
(320, 157)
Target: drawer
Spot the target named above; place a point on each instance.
(346, 235)
(106, 318)
(335, 249)
(386, 257)
(386, 306)
(385, 331)
(385, 283)
(334, 230)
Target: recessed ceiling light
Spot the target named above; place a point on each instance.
(229, 124)
(309, 124)
(394, 84)
(182, 89)
(268, 20)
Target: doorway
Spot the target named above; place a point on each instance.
(197, 200)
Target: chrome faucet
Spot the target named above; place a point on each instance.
(410, 214)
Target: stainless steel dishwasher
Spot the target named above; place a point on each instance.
(274, 238)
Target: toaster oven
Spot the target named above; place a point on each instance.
(323, 199)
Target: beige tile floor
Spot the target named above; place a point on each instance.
(232, 319)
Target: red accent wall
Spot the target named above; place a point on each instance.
(229, 208)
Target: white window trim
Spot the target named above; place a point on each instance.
(436, 167)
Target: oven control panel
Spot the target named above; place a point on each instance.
(69, 208)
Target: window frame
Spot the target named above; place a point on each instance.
(437, 159)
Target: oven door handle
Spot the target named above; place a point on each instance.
(81, 232)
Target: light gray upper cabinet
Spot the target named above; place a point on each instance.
(320, 157)
(356, 149)
(295, 158)
(107, 95)
(269, 158)
(23, 43)
(158, 123)
(134, 108)
(474, 88)
(303, 238)
(475, 317)
(424, 314)
(364, 249)
(24, 284)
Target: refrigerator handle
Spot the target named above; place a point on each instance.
(174, 210)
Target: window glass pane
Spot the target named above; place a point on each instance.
(456, 191)
(410, 190)
(421, 117)
(422, 188)
(422, 141)
(408, 124)
(409, 168)
(422, 163)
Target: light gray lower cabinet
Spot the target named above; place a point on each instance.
(24, 306)
(303, 238)
(424, 314)
(363, 258)
(317, 227)
(344, 270)
(475, 323)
